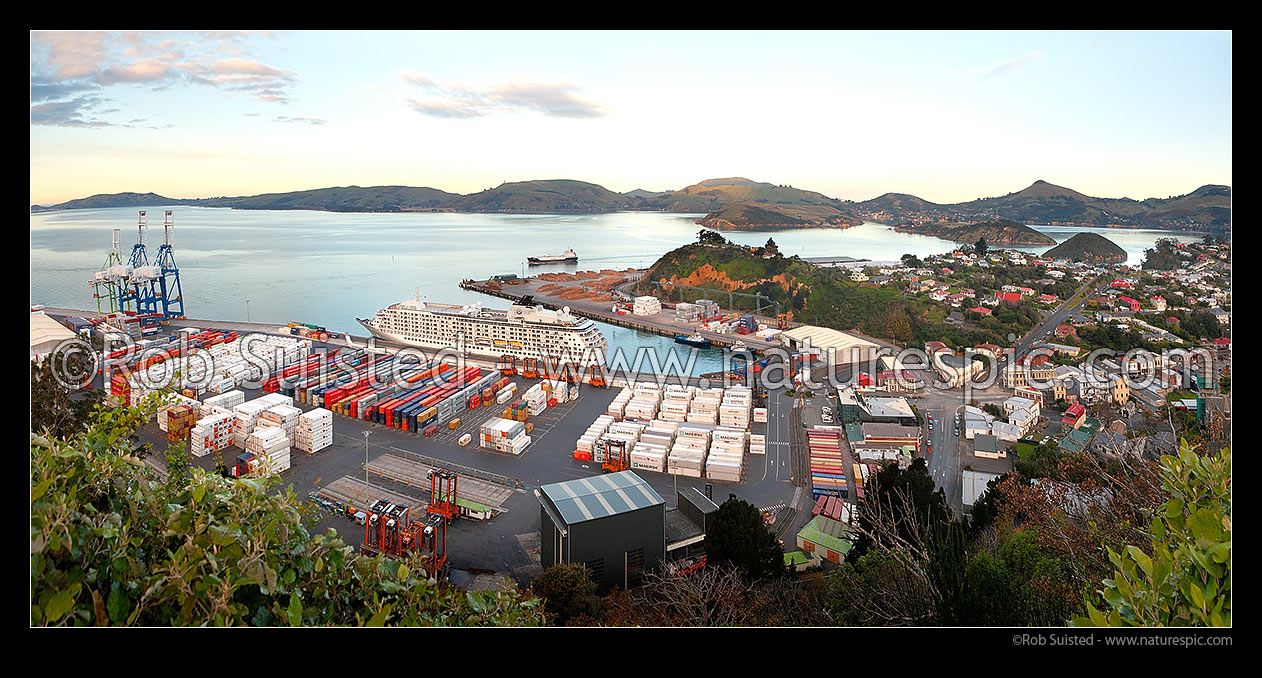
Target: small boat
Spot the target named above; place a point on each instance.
(739, 347)
(566, 257)
(695, 339)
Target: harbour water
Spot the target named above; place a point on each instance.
(329, 268)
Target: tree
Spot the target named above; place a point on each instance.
(740, 538)
(707, 237)
(770, 247)
(110, 545)
(568, 592)
(1184, 577)
(911, 261)
(53, 405)
(981, 248)
(993, 409)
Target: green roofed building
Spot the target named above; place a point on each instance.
(615, 524)
(827, 538)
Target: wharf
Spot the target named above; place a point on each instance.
(662, 323)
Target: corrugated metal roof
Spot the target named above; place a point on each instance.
(600, 496)
(825, 338)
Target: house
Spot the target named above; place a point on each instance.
(986, 445)
(1063, 331)
(1132, 304)
(1048, 299)
(981, 310)
(1158, 303)
(954, 318)
(1010, 298)
(1075, 416)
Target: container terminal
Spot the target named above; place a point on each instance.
(470, 464)
(369, 468)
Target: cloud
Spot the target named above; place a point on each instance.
(309, 121)
(556, 99)
(1007, 66)
(67, 65)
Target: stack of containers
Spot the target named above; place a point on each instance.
(828, 472)
(560, 391)
(704, 408)
(180, 421)
(170, 401)
(586, 443)
(247, 415)
(687, 313)
(726, 460)
(757, 443)
(536, 398)
(284, 417)
(653, 447)
(688, 452)
(504, 435)
(315, 430)
(734, 411)
(226, 400)
(625, 431)
(709, 309)
(270, 447)
(760, 415)
(212, 434)
(506, 394)
(618, 407)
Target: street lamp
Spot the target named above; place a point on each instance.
(366, 468)
(247, 310)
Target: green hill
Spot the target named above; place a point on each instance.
(750, 216)
(1091, 248)
(102, 200)
(1206, 208)
(545, 196)
(810, 294)
(339, 199)
(1000, 232)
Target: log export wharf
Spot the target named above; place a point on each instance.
(548, 292)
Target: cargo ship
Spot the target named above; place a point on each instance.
(566, 257)
(525, 330)
(694, 339)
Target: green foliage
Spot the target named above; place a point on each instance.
(568, 592)
(739, 537)
(1184, 579)
(911, 261)
(110, 545)
(55, 408)
(981, 248)
(1042, 462)
(1088, 247)
(993, 409)
(1021, 585)
(707, 237)
(1163, 257)
(928, 506)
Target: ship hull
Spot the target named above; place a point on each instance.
(536, 261)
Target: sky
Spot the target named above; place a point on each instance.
(948, 116)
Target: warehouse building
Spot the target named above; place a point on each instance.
(615, 524)
(822, 341)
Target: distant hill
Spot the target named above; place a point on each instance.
(749, 216)
(1091, 248)
(340, 199)
(896, 202)
(553, 195)
(736, 203)
(731, 202)
(1206, 208)
(1000, 232)
(101, 200)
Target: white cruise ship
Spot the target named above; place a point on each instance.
(526, 330)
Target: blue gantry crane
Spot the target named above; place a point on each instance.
(139, 293)
(168, 284)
